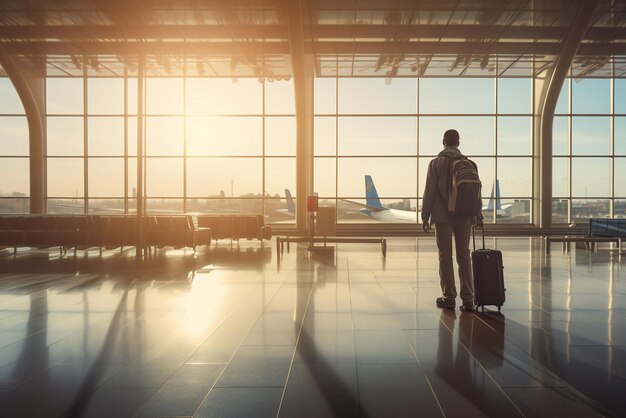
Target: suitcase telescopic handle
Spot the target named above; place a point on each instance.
(474, 236)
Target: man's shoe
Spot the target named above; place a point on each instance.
(468, 307)
(445, 303)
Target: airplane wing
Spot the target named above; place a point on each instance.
(363, 205)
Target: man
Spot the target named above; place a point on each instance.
(434, 210)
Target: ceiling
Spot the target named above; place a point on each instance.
(244, 38)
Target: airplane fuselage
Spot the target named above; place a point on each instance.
(395, 216)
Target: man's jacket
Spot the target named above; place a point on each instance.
(436, 190)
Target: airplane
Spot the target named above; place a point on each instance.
(375, 210)
(291, 204)
(501, 210)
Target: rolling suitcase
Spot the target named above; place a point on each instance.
(488, 275)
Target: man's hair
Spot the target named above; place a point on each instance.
(451, 138)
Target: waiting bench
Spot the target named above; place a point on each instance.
(110, 232)
(600, 230)
(235, 226)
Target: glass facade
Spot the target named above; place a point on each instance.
(14, 165)
(210, 145)
(589, 136)
(215, 144)
(391, 129)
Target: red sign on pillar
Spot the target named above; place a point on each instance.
(312, 203)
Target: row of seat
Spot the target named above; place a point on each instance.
(84, 231)
(235, 226)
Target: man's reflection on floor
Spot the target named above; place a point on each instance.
(460, 370)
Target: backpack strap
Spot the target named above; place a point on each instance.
(443, 198)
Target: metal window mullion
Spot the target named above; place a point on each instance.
(85, 145)
(263, 165)
(532, 151)
(495, 147)
(417, 149)
(612, 145)
(569, 149)
(185, 137)
(125, 140)
(45, 148)
(337, 146)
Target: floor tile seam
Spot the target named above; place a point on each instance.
(77, 401)
(618, 346)
(45, 284)
(487, 373)
(204, 399)
(546, 370)
(388, 362)
(264, 386)
(432, 390)
(293, 356)
(573, 394)
(227, 316)
(283, 284)
(47, 329)
(356, 371)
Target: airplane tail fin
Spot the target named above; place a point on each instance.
(497, 201)
(371, 195)
(291, 205)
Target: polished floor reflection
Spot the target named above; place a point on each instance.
(237, 331)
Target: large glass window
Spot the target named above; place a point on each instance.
(10, 103)
(105, 96)
(13, 135)
(14, 150)
(371, 96)
(210, 145)
(389, 135)
(64, 96)
(456, 96)
(587, 172)
(389, 130)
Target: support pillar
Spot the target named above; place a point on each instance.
(547, 89)
(303, 76)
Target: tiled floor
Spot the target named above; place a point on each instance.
(236, 332)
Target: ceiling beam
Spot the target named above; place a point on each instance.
(319, 48)
(207, 32)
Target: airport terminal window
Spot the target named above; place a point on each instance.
(106, 178)
(514, 96)
(211, 144)
(164, 136)
(382, 135)
(110, 88)
(280, 136)
(587, 171)
(64, 96)
(619, 129)
(451, 96)
(105, 136)
(390, 129)
(14, 166)
(375, 96)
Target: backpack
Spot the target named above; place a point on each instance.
(464, 190)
